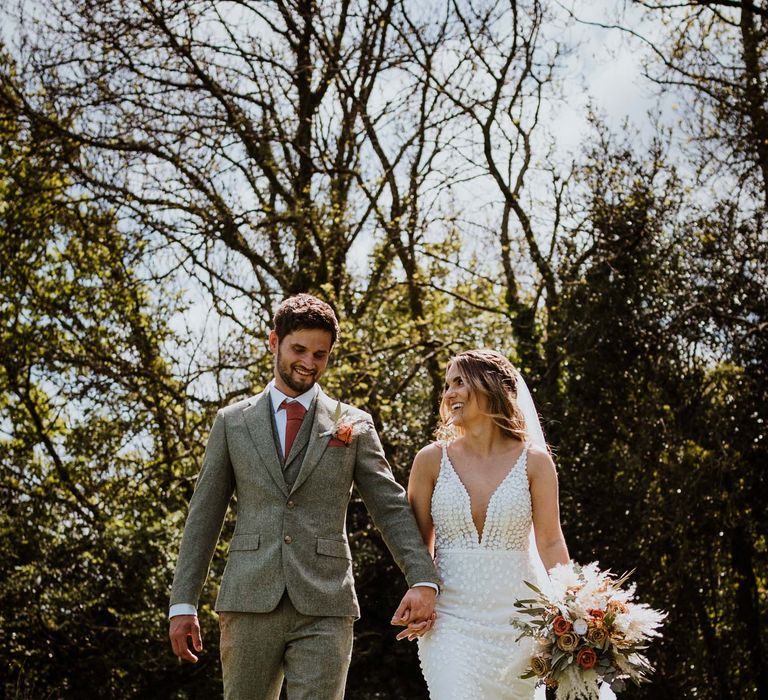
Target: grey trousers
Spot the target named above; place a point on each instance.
(260, 650)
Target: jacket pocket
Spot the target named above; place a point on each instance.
(241, 543)
(333, 548)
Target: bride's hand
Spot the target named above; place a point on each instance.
(416, 629)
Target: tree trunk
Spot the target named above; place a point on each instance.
(754, 92)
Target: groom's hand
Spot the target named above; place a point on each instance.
(417, 606)
(184, 627)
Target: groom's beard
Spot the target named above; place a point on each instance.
(292, 379)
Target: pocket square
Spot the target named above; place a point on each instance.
(335, 442)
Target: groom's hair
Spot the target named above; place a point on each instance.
(304, 311)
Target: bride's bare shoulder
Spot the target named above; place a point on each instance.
(427, 460)
(540, 462)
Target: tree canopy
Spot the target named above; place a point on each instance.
(170, 170)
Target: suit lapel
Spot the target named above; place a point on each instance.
(323, 422)
(258, 419)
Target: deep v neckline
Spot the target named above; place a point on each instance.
(480, 534)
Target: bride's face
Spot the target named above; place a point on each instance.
(464, 405)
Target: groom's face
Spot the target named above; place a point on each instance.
(300, 358)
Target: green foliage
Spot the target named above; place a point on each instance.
(93, 445)
(660, 440)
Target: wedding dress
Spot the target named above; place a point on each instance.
(471, 652)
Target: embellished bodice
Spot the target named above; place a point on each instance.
(507, 520)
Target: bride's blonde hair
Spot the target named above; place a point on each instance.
(489, 373)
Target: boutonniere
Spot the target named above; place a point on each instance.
(345, 428)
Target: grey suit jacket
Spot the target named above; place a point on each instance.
(291, 537)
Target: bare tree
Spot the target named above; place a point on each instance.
(218, 126)
(254, 143)
(500, 73)
(713, 54)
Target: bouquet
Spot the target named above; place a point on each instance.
(587, 630)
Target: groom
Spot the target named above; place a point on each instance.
(291, 455)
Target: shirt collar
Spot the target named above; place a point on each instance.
(278, 396)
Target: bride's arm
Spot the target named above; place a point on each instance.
(421, 484)
(546, 509)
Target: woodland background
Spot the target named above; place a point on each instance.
(170, 169)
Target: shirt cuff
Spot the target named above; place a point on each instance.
(429, 584)
(182, 609)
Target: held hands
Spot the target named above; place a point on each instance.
(181, 629)
(417, 629)
(416, 612)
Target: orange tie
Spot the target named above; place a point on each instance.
(294, 412)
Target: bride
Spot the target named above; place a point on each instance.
(476, 498)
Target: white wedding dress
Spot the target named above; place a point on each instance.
(471, 652)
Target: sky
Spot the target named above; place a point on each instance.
(605, 68)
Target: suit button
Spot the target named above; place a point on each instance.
(291, 504)
(288, 539)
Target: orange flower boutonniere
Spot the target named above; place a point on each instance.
(343, 428)
(344, 433)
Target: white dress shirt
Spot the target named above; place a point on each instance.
(277, 397)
